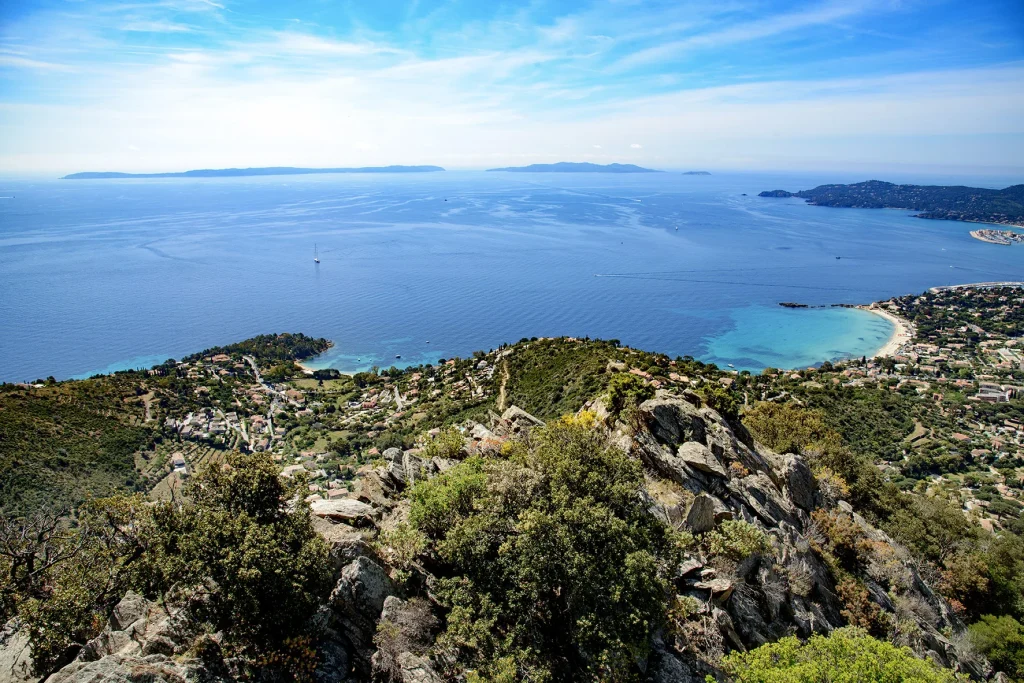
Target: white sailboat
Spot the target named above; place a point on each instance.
(316, 254)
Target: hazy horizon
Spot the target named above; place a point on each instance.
(90, 85)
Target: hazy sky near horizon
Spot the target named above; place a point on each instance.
(138, 85)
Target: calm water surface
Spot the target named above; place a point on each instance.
(102, 275)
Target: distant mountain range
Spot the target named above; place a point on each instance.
(696, 173)
(945, 202)
(237, 172)
(570, 167)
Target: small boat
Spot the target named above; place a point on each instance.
(838, 257)
(316, 254)
(428, 341)
(730, 365)
(397, 356)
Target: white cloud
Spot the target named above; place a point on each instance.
(597, 146)
(636, 146)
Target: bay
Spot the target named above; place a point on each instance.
(101, 275)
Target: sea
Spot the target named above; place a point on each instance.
(102, 275)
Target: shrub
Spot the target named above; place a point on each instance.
(626, 390)
(554, 567)
(1001, 639)
(447, 444)
(719, 399)
(847, 655)
(736, 540)
(268, 564)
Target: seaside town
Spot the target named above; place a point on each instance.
(956, 357)
(1004, 237)
(936, 415)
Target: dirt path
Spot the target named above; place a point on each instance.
(501, 389)
(146, 400)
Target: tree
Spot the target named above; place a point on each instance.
(1001, 639)
(553, 568)
(847, 655)
(269, 566)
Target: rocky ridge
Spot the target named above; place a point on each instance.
(702, 471)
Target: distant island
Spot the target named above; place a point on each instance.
(570, 167)
(944, 202)
(238, 172)
(696, 173)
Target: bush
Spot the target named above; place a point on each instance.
(737, 540)
(626, 390)
(447, 444)
(847, 655)
(554, 568)
(1001, 639)
(270, 567)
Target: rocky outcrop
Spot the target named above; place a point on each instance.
(370, 626)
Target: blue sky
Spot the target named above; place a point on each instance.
(178, 84)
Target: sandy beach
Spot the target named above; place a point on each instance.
(902, 333)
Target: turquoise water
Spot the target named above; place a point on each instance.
(793, 338)
(100, 275)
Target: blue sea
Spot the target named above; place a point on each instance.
(102, 275)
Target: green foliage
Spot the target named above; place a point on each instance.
(446, 444)
(847, 655)
(551, 378)
(626, 390)
(62, 443)
(787, 428)
(720, 399)
(269, 565)
(737, 540)
(270, 348)
(1001, 639)
(62, 580)
(553, 568)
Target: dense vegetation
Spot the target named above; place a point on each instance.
(63, 442)
(847, 655)
(271, 348)
(552, 377)
(934, 201)
(234, 539)
(553, 568)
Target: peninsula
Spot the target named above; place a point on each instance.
(944, 202)
(696, 173)
(571, 167)
(239, 172)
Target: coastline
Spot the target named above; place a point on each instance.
(903, 331)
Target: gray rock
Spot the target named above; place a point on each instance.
(700, 517)
(416, 669)
(363, 588)
(665, 667)
(699, 457)
(672, 420)
(131, 608)
(689, 565)
(119, 669)
(799, 482)
(15, 654)
(517, 415)
(347, 510)
(721, 589)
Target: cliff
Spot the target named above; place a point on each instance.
(810, 563)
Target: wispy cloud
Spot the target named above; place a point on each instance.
(195, 82)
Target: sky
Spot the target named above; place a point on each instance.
(137, 85)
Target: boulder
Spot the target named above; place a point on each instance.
(362, 588)
(700, 516)
(518, 417)
(417, 669)
(15, 654)
(672, 420)
(121, 669)
(721, 589)
(700, 457)
(347, 510)
(131, 608)
(799, 483)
